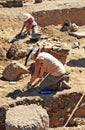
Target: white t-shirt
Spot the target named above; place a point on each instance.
(51, 64)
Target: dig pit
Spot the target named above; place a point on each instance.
(59, 106)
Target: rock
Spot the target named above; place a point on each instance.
(13, 71)
(12, 3)
(74, 27)
(31, 117)
(16, 52)
(38, 1)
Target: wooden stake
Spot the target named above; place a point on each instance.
(74, 110)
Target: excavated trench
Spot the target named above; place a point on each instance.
(59, 106)
(55, 17)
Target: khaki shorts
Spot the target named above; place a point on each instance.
(50, 82)
(35, 29)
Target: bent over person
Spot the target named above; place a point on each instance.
(29, 24)
(47, 64)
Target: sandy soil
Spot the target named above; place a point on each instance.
(10, 25)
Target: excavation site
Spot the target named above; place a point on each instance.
(61, 26)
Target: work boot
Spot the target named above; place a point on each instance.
(65, 85)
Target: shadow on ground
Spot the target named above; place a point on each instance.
(33, 91)
(18, 37)
(77, 63)
(29, 92)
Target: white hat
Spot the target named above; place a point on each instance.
(25, 16)
(33, 51)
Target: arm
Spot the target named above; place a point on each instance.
(36, 72)
(22, 28)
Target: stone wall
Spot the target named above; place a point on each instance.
(58, 49)
(38, 1)
(30, 117)
(61, 55)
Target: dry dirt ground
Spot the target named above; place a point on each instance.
(10, 26)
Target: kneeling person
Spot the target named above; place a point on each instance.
(47, 64)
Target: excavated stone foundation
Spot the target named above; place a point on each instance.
(59, 107)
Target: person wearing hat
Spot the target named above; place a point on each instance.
(29, 24)
(66, 26)
(31, 54)
(47, 64)
(69, 27)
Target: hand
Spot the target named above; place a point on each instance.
(18, 34)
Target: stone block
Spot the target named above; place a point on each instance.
(31, 117)
(38, 1)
